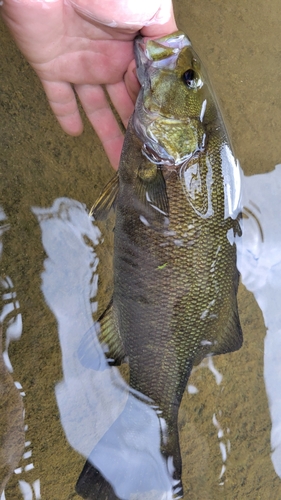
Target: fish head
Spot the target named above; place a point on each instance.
(174, 102)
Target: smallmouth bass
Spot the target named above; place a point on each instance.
(176, 197)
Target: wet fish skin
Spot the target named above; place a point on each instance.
(175, 275)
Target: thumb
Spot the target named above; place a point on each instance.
(131, 81)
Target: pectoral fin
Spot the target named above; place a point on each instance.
(196, 179)
(151, 191)
(106, 201)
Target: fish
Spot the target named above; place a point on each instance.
(176, 196)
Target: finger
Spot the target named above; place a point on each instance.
(131, 81)
(98, 111)
(63, 102)
(158, 30)
(121, 100)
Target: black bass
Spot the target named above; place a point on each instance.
(176, 197)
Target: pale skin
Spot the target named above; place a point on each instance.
(86, 46)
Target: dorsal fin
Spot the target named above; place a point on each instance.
(106, 200)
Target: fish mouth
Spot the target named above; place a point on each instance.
(158, 53)
(152, 56)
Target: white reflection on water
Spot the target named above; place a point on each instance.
(94, 402)
(11, 324)
(208, 363)
(223, 445)
(260, 265)
(100, 416)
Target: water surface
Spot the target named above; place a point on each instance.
(49, 272)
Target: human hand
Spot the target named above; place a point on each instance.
(80, 45)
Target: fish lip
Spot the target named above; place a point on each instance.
(175, 41)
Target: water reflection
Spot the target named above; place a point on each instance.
(103, 419)
(12, 428)
(260, 265)
(117, 430)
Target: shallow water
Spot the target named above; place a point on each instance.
(48, 261)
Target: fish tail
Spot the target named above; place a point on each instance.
(91, 485)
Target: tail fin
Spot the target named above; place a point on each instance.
(91, 485)
(138, 457)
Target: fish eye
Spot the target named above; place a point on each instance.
(191, 79)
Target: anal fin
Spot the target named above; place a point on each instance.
(232, 339)
(110, 337)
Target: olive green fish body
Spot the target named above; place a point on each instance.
(174, 288)
(177, 209)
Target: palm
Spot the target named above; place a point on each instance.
(67, 49)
